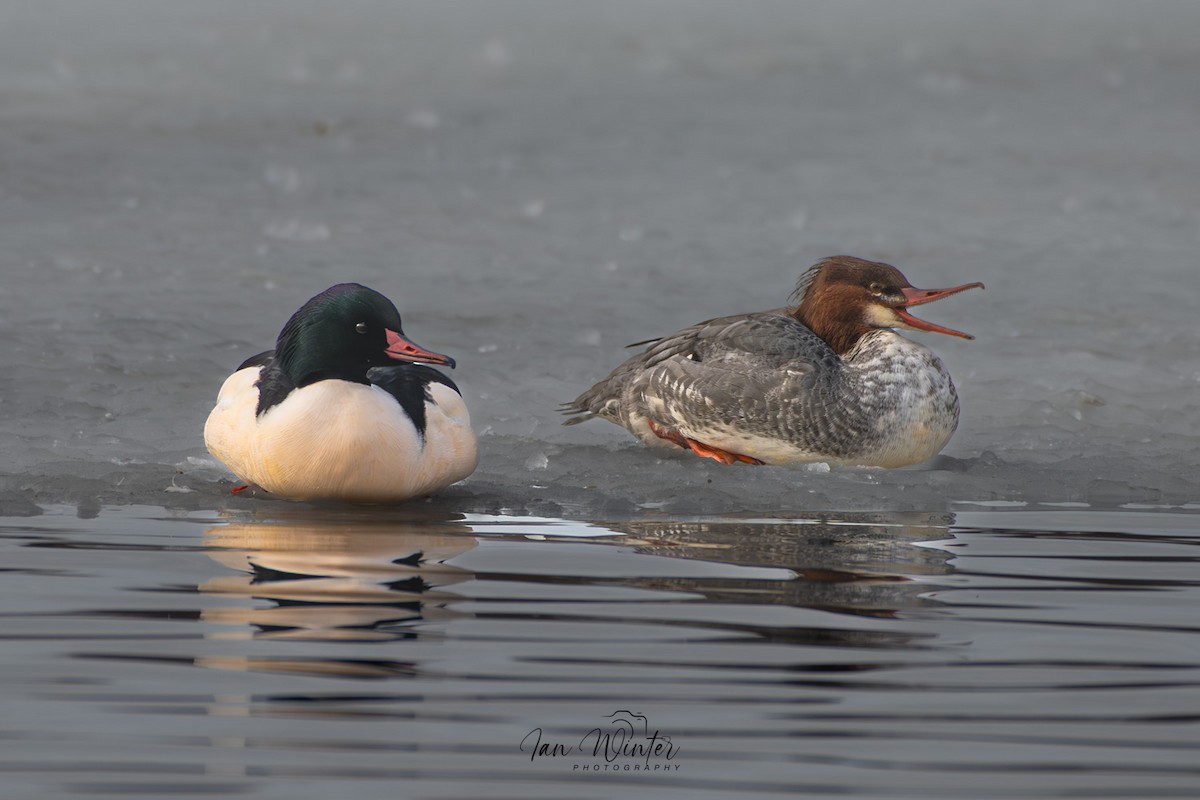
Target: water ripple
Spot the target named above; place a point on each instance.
(896, 656)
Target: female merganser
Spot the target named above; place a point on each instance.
(822, 380)
(329, 414)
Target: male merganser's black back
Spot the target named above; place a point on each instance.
(410, 385)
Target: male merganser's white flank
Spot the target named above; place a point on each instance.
(825, 379)
(340, 409)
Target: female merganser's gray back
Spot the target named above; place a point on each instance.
(825, 380)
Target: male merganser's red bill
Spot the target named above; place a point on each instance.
(343, 408)
(825, 379)
(401, 348)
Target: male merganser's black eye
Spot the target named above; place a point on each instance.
(361, 327)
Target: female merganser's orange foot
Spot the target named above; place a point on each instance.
(724, 456)
(669, 435)
(700, 448)
(239, 489)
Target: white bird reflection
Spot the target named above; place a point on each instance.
(334, 580)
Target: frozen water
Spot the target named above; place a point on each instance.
(177, 178)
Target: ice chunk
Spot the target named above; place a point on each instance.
(537, 461)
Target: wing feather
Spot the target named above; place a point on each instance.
(718, 362)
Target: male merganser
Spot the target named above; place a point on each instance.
(825, 379)
(330, 414)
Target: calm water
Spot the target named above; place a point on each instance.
(536, 185)
(991, 653)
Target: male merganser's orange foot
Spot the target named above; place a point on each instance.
(239, 489)
(669, 435)
(724, 456)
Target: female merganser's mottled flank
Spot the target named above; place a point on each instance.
(823, 380)
(340, 409)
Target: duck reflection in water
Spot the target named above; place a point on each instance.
(362, 582)
(851, 564)
(348, 581)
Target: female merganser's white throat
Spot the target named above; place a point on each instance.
(340, 409)
(823, 380)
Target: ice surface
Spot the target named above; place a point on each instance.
(538, 184)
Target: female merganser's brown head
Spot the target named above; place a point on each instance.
(843, 298)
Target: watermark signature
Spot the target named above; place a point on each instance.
(623, 742)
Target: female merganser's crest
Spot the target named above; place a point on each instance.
(343, 408)
(825, 379)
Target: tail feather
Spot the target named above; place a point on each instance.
(603, 399)
(577, 408)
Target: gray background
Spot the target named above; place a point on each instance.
(538, 183)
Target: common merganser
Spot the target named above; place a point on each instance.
(825, 379)
(330, 414)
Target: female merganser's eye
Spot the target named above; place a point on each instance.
(361, 327)
(876, 288)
